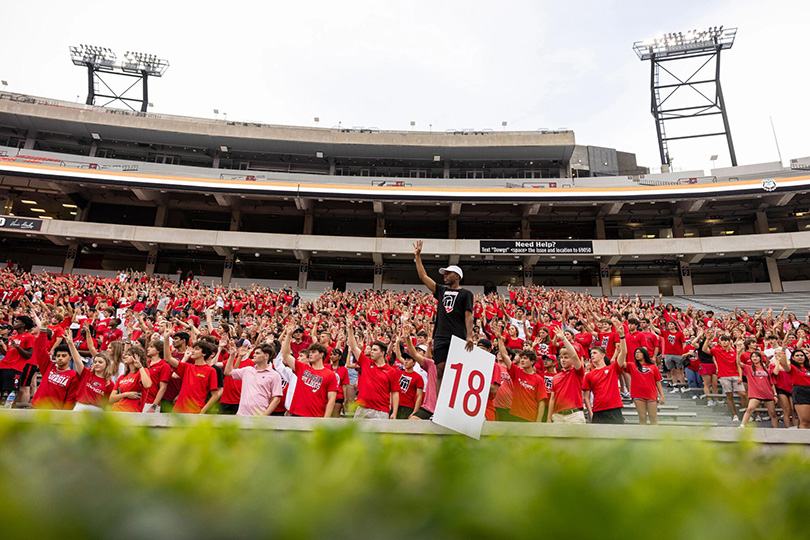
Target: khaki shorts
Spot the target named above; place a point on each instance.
(731, 384)
(573, 418)
(373, 414)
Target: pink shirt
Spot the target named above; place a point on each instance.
(258, 388)
(431, 396)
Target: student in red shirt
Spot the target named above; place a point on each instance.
(95, 383)
(729, 370)
(799, 370)
(19, 350)
(199, 390)
(316, 389)
(126, 397)
(529, 397)
(378, 386)
(566, 387)
(603, 382)
(342, 374)
(159, 373)
(645, 386)
(60, 385)
(760, 388)
(411, 384)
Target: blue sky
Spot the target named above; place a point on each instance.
(444, 65)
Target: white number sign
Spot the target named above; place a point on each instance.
(462, 401)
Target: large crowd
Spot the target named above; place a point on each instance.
(137, 343)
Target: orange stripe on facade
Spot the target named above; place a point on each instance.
(405, 189)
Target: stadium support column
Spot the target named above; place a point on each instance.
(151, 262)
(686, 278)
(378, 271)
(70, 258)
(677, 228)
(762, 223)
(604, 279)
(303, 271)
(773, 274)
(227, 271)
(600, 229)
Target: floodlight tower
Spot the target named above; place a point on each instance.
(100, 60)
(675, 46)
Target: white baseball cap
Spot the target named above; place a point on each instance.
(452, 268)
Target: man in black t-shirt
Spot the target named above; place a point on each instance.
(454, 314)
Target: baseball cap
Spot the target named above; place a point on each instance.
(452, 268)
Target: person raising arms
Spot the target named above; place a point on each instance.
(316, 388)
(603, 382)
(454, 316)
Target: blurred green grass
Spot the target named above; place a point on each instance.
(101, 479)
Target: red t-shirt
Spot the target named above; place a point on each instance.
(759, 382)
(642, 382)
(726, 361)
(503, 398)
(59, 388)
(174, 383)
(782, 380)
(409, 383)
(585, 339)
(94, 390)
(799, 376)
(198, 382)
(377, 384)
(608, 341)
(13, 360)
(528, 390)
(312, 390)
(673, 342)
(567, 388)
(491, 413)
(159, 372)
(343, 380)
(232, 388)
(130, 382)
(604, 383)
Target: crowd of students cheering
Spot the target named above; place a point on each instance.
(135, 343)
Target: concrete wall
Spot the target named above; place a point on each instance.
(656, 247)
(796, 286)
(603, 161)
(731, 288)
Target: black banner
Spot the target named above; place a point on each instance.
(22, 224)
(536, 247)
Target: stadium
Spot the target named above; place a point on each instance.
(166, 245)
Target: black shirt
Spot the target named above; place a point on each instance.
(450, 313)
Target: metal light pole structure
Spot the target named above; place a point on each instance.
(101, 60)
(705, 45)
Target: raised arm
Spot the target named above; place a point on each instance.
(78, 364)
(420, 268)
(622, 350)
(503, 351)
(286, 354)
(352, 340)
(575, 359)
(167, 349)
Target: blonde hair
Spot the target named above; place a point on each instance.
(108, 369)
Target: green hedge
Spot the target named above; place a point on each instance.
(102, 479)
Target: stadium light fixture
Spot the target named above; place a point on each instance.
(99, 60)
(319, 155)
(95, 136)
(679, 43)
(701, 45)
(27, 201)
(223, 148)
